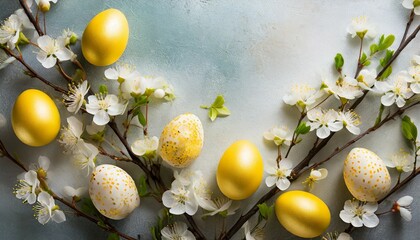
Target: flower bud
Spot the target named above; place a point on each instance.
(159, 93)
(44, 5)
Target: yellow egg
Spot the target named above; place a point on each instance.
(105, 37)
(366, 175)
(302, 213)
(113, 191)
(181, 140)
(240, 170)
(35, 118)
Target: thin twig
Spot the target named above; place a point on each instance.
(32, 72)
(196, 230)
(31, 17)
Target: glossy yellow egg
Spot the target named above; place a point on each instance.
(181, 140)
(35, 118)
(366, 175)
(302, 213)
(240, 170)
(113, 191)
(105, 37)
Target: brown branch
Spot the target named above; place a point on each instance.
(196, 230)
(407, 27)
(32, 72)
(5, 153)
(102, 151)
(31, 17)
(295, 135)
(107, 227)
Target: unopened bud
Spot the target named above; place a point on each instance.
(44, 5)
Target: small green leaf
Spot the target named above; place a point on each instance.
(363, 58)
(142, 186)
(212, 114)
(86, 206)
(386, 43)
(302, 128)
(103, 89)
(373, 49)
(223, 111)
(141, 118)
(366, 63)
(386, 74)
(217, 109)
(218, 102)
(265, 210)
(113, 236)
(388, 55)
(339, 62)
(101, 223)
(409, 129)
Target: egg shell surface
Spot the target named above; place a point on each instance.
(181, 140)
(366, 175)
(113, 191)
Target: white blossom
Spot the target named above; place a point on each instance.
(72, 193)
(93, 129)
(414, 72)
(159, 87)
(177, 231)
(344, 236)
(43, 165)
(51, 50)
(279, 135)
(366, 79)
(134, 86)
(256, 233)
(350, 121)
(360, 213)
(395, 89)
(180, 199)
(145, 146)
(324, 122)
(69, 37)
(314, 176)
(85, 156)
(278, 174)
(46, 209)
(347, 88)
(26, 187)
(221, 205)
(24, 20)
(401, 161)
(302, 96)
(122, 72)
(403, 207)
(10, 31)
(70, 137)
(412, 4)
(103, 107)
(76, 96)
(360, 27)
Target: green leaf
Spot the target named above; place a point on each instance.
(366, 63)
(86, 206)
(101, 223)
(217, 109)
(103, 89)
(141, 118)
(212, 114)
(223, 111)
(302, 128)
(373, 49)
(363, 58)
(142, 186)
(339, 61)
(388, 55)
(218, 102)
(386, 42)
(386, 74)
(113, 236)
(409, 129)
(265, 210)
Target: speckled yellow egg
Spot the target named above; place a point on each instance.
(240, 170)
(302, 214)
(35, 118)
(181, 140)
(366, 175)
(113, 192)
(105, 37)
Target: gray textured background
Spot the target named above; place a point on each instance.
(250, 51)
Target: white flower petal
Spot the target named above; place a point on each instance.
(283, 184)
(356, 222)
(405, 201)
(111, 74)
(388, 99)
(370, 221)
(270, 181)
(58, 216)
(101, 118)
(44, 162)
(405, 214)
(323, 132)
